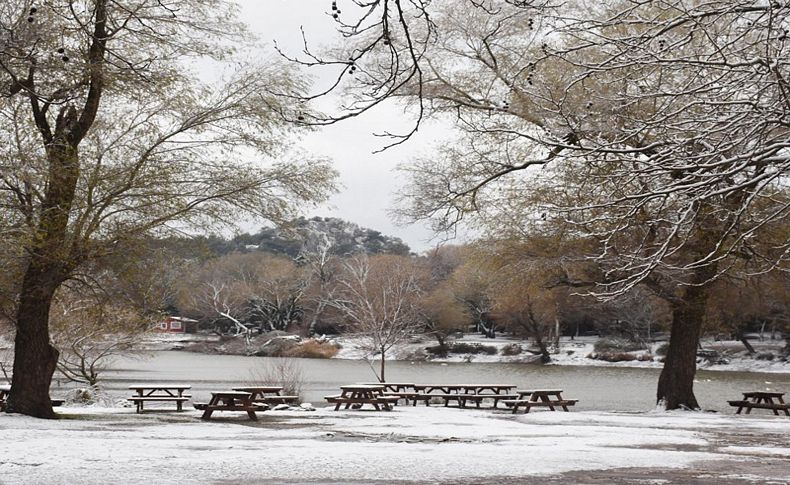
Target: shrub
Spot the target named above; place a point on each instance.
(461, 348)
(613, 356)
(467, 348)
(765, 356)
(280, 371)
(611, 344)
(312, 349)
(437, 350)
(511, 349)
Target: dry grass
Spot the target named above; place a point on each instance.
(312, 349)
(280, 371)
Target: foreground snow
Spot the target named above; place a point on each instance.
(418, 445)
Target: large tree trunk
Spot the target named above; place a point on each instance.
(35, 358)
(50, 261)
(676, 383)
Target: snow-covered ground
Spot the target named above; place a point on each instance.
(575, 352)
(407, 445)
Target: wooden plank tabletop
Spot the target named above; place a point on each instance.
(362, 387)
(763, 394)
(256, 389)
(238, 394)
(160, 386)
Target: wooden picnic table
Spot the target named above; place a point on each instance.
(465, 388)
(550, 398)
(159, 393)
(267, 394)
(229, 401)
(361, 394)
(392, 386)
(462, 393)
(4, 390)
(762, 400)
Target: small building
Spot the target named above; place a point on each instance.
(173, 324)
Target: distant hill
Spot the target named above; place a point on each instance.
(302, 234)
(343, 238)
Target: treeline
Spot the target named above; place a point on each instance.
(535, 289)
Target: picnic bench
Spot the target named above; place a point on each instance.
(229, 401)
(403, 390)
(268, 395)
(159, 393)
(761, 400)
(550, 398)
(6, 389)
(463, 393)
(357, 395)
(391, 386)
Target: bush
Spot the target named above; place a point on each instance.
(765, 356)
(511, 349)
(280, 371)
(437, 350)
(610, 344)
(312, 349)
(467, 348)
(613, 356)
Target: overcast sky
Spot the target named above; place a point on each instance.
(369, 181)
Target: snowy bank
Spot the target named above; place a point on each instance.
(574, 352)
(408, 445)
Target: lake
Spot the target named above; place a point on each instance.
(597, 388)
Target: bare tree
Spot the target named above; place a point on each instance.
(655, 128)
(322, 267)
(88, 330)
(378, 295)
(108, 136)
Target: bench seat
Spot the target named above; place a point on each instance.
(775, 407)
(517, 403)
(140, 400)
(384, 401)
(277, 399)
(414, 396)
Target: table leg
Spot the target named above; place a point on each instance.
(372, 399)
(250, 413)
(749, 407)
(770, 400)
(211, 403)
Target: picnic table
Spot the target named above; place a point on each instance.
(159, 393)
(4, 390)
(392, 386)
(762, 400)
(463, 393)
(550, 398)
(361, 394)
(229, 401)
(267, 394)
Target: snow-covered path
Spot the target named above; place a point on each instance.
(410, 445)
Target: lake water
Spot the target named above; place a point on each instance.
(597, 388)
